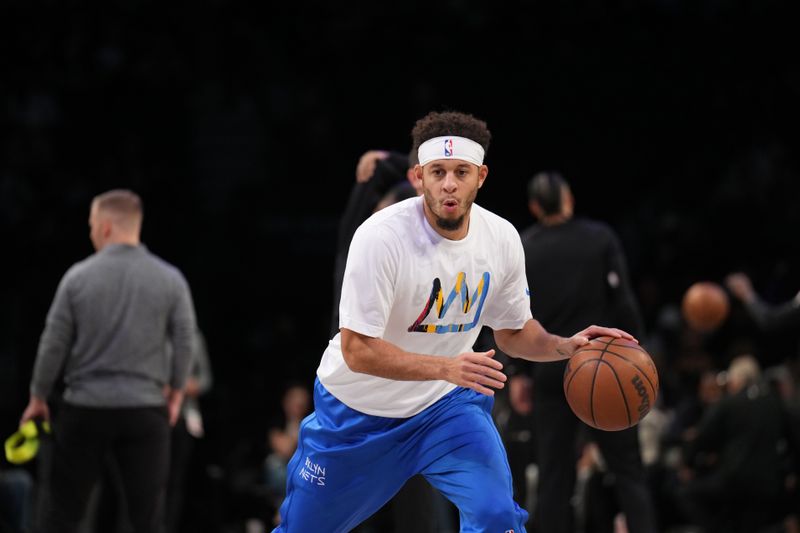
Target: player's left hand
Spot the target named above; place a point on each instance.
(584, 336)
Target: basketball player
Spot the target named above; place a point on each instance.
(578, 274)
(384, 178)
(399, 390)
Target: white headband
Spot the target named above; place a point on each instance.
(450, 148)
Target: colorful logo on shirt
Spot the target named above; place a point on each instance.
(448, 147)
(436, 299)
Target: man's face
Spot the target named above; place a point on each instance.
(450, 187)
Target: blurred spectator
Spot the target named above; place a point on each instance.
(282, 439)
(680, 427)
(765, 315)
(382, 178)
(690, 409)
(742, 457)
(514, 419)
(784, 316)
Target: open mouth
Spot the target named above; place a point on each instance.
(450, 205)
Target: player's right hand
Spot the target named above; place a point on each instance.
(477, 371)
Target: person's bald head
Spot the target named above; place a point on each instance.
(115, 217)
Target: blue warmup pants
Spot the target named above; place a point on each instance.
(349, 464)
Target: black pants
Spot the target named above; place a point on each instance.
(138, 439)
(180, 457)
(557, 432)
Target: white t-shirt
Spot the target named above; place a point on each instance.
(410, 286)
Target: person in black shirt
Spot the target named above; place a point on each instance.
(577, 274)
(382, 177)
(741, 460)
(768, 317)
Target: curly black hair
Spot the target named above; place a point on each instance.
(438, 124)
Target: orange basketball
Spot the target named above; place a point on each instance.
(611, 383)
(705, 306)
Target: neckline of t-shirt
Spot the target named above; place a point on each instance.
(438, 237)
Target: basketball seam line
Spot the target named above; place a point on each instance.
(605, 349)
(634, 345)
(591, 396)
(638, 368)
(619, 384)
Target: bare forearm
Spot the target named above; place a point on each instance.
(532, 343)
(369, 355)
(380, 358)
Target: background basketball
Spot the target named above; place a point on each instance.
(611, 383)
(705, 306)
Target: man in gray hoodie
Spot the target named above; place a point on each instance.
(106, 341)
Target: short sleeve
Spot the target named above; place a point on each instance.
(510, 305)
(369, 282)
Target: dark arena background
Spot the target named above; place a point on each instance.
(676, 122)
